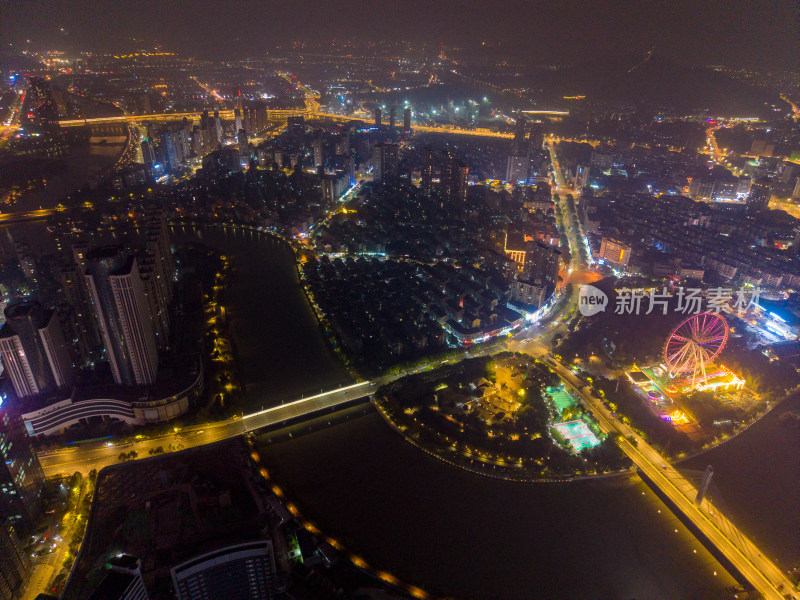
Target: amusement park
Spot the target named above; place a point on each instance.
(690, 371)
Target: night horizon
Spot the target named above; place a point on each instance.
(737, 33)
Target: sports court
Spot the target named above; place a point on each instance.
(578, 434)
(561, 399)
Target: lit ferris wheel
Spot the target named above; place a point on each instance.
(695, 343)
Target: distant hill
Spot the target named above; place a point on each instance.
(655, 80)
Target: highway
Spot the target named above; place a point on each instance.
(21, 217)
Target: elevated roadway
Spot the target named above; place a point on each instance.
(762, 573)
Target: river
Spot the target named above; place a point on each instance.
(460, 535)
(280, 349)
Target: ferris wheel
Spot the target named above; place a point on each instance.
(694, 343)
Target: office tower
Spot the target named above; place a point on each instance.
(148, 154)
(21, 475)
(758, 199)
(317, 147)
(123, 580)
(407, 119)
(384, 162)
(377, 117)
(392, 117)
(170, 151)
(517, 146)
(796, 191)
(237, 119)
(427, 169)
(241, 571)
(14, 565)
(33, 350)
(121, 310)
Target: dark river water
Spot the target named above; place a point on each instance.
(460, 535)
(282, 353)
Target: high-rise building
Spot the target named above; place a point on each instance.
(244, 146)
(317, 146)
(528, 293)
(15, 568)
(536, 136)
(760, 192)
(518, 144)
(378, 117)
(614, 252)
(218, 126)
(796, 191)
(542, 262)
(392, 118)
(197, 141)
(407, 119)
(148, 154)
(123, 580)
(237, 119)
(170, 150)
(427, 169)
(242, 571)
(458, 180)
(157, 243)
(156, 302)
(296, 126)
(122, 314)
(517, 168)
(246, 122)
(33, 350)
(21, 475)
(384, 161)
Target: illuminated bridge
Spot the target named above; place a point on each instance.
(707, 518)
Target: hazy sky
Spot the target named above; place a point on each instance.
(739, 32)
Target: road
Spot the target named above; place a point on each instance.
(20, 217)
(762, 573)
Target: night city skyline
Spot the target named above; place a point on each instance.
(399, 300)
